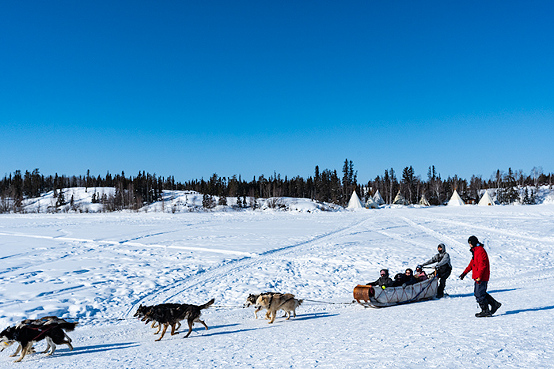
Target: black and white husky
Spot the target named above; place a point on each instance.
(26, 333)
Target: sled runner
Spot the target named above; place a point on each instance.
(375, 296)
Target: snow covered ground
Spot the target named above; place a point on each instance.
(98, 268)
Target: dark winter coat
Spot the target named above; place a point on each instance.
(399, 280)
(479, 264)
(412, 280)
(402, 279)
(382, 281)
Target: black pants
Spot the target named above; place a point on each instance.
(442, 274)
(480, 292)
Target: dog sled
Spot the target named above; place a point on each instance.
(375, 296)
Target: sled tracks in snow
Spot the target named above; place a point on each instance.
(233, 267)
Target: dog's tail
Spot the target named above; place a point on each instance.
(299, 302)
(207, 304)
(68, 326)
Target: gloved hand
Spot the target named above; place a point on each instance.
(462, 276)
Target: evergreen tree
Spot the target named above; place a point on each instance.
(208, 201)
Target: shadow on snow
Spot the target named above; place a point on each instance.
(511, 312)
(99, 348)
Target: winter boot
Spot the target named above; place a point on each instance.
(495, 305)
(485, 312)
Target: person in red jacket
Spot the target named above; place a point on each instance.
(480, 273)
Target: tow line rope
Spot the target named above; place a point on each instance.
(215, 306)
(330, 303)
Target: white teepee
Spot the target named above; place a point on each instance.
(456, 200)
(486, 200)
(378, 199)
(354, 202)
(424, 201)
(371, 204)
(399, 199)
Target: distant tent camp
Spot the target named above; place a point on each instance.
(354, 202)
(399, 199)
(486, 200)
(456, 200)
(378, 199)
(371, 204)
(423, 201)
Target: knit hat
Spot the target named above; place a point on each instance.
(473, 241)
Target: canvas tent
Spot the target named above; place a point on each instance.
(354, 202)
(486, 200)
(371, 204)
(399, 199)
(423, 201)
(378, 199)
(455, 200)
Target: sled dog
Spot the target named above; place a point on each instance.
(171, 314)
(251, 300)
(145, 315)
(278, 301)
(29, 331)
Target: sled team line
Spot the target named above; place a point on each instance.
(405, 288)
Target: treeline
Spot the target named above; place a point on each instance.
(510, 186)
(134, 192)
(130, 192)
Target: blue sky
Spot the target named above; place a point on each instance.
(192, 88)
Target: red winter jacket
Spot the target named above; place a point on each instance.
(479, 264)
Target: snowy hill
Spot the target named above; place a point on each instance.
(98, 268)
(90, 200)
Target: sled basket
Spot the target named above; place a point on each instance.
(379, 297)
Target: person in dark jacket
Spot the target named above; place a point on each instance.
(410, 277)
(443, 267)
(400, 280)
(384, 281)
(480, 273)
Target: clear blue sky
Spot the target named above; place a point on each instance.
(192, 88)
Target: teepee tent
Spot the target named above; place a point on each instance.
(378, 199)
(399, 199)
(371, 204)
(486, 200)
(354, 202)
(455, 200)
(423, 201)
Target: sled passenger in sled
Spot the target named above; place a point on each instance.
(383, 281)
(404, 279)
(420, 274)
(410, 277)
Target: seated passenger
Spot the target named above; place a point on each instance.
(383, 281)
(410, 277)
(400, 280)
(420, 275)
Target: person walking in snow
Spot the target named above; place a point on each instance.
(480, 273)
(443, 268)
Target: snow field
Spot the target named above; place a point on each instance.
(98, 268)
